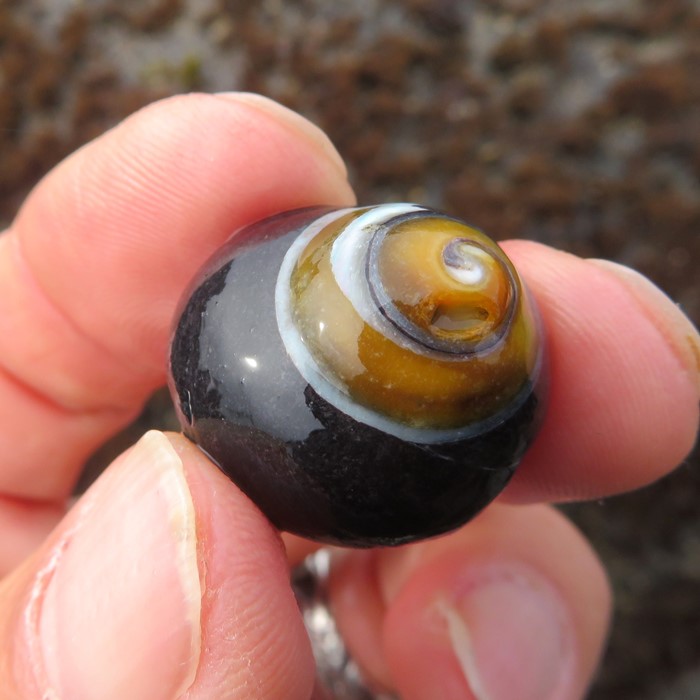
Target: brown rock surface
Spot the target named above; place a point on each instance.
(576, 124)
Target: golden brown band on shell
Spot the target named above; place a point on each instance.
(408, 320)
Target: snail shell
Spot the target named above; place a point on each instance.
(367, 375)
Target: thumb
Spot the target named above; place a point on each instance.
(163, 582)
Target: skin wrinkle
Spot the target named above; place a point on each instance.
(191, 528)
(136, 174)
(84, 337)
(31, 504)
(171, 189)
(25, 523)
(134, 179)
(121, 414)
(672, 342)
(695, 350)
(250, 640)
(247, 660)
(32, 614)
(19, 508)
(653, 303)
(202, 554)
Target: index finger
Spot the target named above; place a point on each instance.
(94, 264)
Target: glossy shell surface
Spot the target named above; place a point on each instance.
(368, 376)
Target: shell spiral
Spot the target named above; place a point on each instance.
(408, 320)
(368, 375)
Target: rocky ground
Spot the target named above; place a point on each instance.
(576, 123)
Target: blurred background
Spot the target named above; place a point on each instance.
(575, 123)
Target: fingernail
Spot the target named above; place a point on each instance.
(511, 636)
(291, 120)
(116, 610)
(678, 330)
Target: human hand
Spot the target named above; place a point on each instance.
(164, 581)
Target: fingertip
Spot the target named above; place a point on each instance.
(516, 607)
(113, 591)
(163, 580)
(677, 329)
(253, 635)
(623, 410)
(292, 121)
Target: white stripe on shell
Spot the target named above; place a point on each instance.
(349, 258)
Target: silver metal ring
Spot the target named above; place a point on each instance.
(338, 677)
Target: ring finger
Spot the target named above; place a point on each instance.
(515, 606)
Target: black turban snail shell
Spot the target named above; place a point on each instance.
(368, 376)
